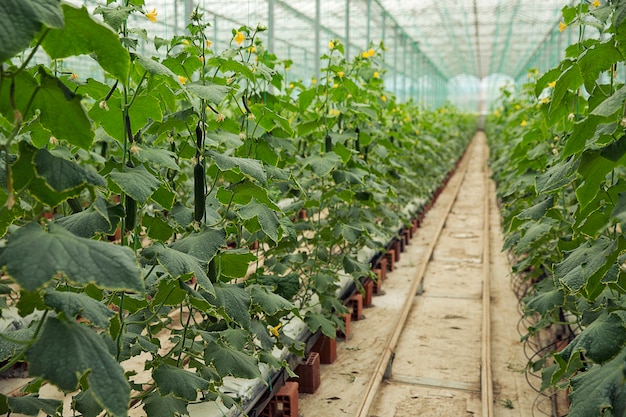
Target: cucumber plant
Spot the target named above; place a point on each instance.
(157, 221)
(558, 157)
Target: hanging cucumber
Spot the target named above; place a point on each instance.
(130, 206)
(199, 177)
(329, 143)
(357, 141)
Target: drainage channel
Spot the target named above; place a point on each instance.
(423, 348)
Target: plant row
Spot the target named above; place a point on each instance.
(184, 207)
(559, 155)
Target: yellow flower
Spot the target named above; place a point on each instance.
(340, 74)
(517, 107)
(239, 38)
(596, 3)
(274, 330)
(74, 76)
(182, 80)
(251, 49)
(335, 85)
(333, 113)
(152, 16)
(185, 41)
(376, 74)
(371, 52)
(383, 97)
(208, 43)
(552, 84)
(562, 26)
(331, 45)
(524, 123)
(545, 100)
(291, 85)
(364, 54)
(313, 81)
(497, 113)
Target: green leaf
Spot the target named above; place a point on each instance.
(202, 245)
(595, 166)
(161, 157)
(316, 321)
(597, 59)
(88, 222)
(323, 165)
(9, 349)
(538, 210)
(249, 167)
(21, 20)
(583, 130)
(269, 302)
(157, 406)
(600, 341)
(146, 108)
(114, 16)
(136, 182)
(82, 35)
(213, 93)
(236, 302)
(178, 382)
(53, 98)
(268, 220)
(63, 175)
(60, 340)
(154, 67)
(229, 361)
(534, 232)
(583, 262)
(570, 79)
(612, 104)
(79, 304)
(234, 263)
(286, 286)
(245, 191)
(600, 390)
(33, 257)
(86, 404)
(546, 298)
(557, 176)
(32, 404)
(178, 263)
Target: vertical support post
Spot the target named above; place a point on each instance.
(215, 33)
(347, 40)
(318, 24)
(384, 34)
(270, 26)
(404, 67)
(369, 25)
(395, 59)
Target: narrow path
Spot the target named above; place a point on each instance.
(428, 332)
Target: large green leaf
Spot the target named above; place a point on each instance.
(86, 404)
(213, 93)
(612, 104)
(33, 257)
(82, 35)
(7, 348)
(202, 245)
(74, 305)
(600, 341)
(136, 182)
(21, 20)
(323, 165)
(178, 382)
(66, 351)
(268, 220)
(269, 302)
(235, 301)
(245, 191)
(570, 79)
(234, 263)
(538, 210)
(597, 59)
(32, 404)
(583, 262)
(229, 361)
(546, 298)
(596, 165)
(179, 263)
(600, 390)
(63, 175)
(250, 167)
(88, 222)
(145, 109)
(286, 286)
(157, 406)
(557, 176)
(316, 321)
